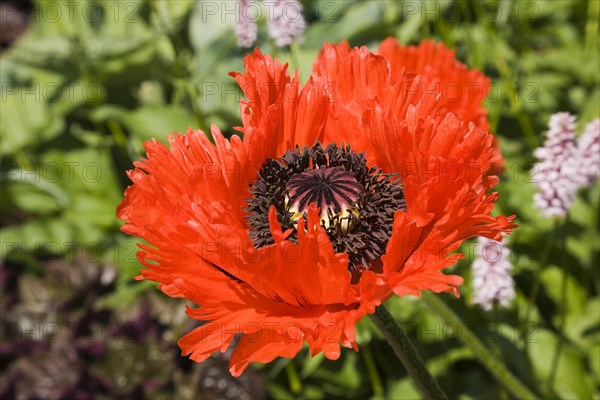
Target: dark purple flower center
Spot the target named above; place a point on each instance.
(357, 202)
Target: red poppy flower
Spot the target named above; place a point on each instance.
(343, 191)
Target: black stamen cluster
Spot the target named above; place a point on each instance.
(379, 198)
(329, 188)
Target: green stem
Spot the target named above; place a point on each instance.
(489, 361)
(119, 136)
(537, 282)
(372, 371)
(274, 48)
(562, 312)
(407, 353)
(294, 380)
(217, 59)
(527, 129)
(591, 28)
(182, 69)
(514, 103)
(294, 56)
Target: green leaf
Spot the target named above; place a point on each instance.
(349, 373)
(311, 364)
(157, 122)
(277, 391)
(207, 24)
(26, 120)
(404, 389)
(576, 298)
(38, 198)
(594, 360)
(86, 194)
(169, 14)
(123, 256)
(349, 22)
(582, 327)
(409, 29)
(572, 379)
(443, 363)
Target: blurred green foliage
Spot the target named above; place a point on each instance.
(92, 80)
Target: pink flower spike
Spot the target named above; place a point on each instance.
(245, 24)
(286, 21)
(556, 173)
(588, 153)
(492, 282)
